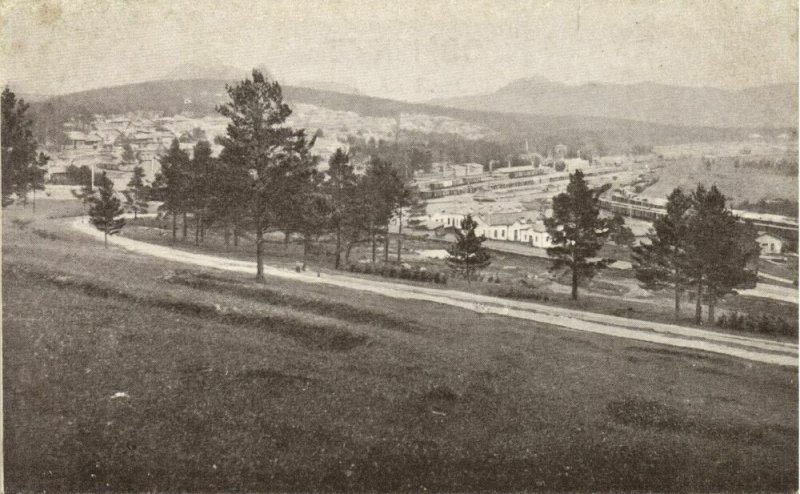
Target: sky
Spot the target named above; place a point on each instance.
(412, 50)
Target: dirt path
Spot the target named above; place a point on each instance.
(753, 349)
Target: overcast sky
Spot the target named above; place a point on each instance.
(412, 50)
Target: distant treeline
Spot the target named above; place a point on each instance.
(784, 166)
(201, 96)
(783, 207)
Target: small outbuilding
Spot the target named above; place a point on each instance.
(770, 244)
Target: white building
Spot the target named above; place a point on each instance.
(770, 244)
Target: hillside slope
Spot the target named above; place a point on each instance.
(201, 96)
(766, 106)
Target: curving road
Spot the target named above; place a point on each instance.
(754, 349)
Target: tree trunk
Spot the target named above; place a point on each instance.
(286, 236)
(185, 227)
(227, 236)
(202, 230)
(347, 252)
(399, 234)
(306, 241)
(386, 245)
(338, 247)
(34, 200)
(469, 276)
(574, 284)
(105, 238)
(174, 227)
(677, 302)
(698, 309)
(196, 229)
(372, 238)
(259, 254)
(236, 235)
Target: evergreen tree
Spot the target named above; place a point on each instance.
(298, 181)
(718, 249)
(661, 262)
(87, 193)
(174, 177)
(385, 192)
(137, 179)
(200, 186)
(105, 209)
(577, 230)
(22, 169)
(135, 193)
(467, 254)
(35, 175)
(258, 143)
(341, 186)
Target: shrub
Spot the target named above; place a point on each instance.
(392, 272)
(352, 268)
(762, 323)
(368, 268)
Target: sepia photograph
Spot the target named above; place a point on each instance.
(418, 246)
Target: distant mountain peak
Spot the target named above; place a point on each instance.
(196, 70)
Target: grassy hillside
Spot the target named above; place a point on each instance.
(124, 373)
(200, 96)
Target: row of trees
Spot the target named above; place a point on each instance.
(266, 179)
(23, 169)
(699, 244)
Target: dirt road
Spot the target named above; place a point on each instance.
(754, 349)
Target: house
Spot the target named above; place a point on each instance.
(81, 140)
(770, 244)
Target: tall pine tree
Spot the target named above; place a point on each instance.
(173, 182)
(259, 144)
(577, 230)
(22, 170)
(719, 249)
(661, 262)
(341, 186)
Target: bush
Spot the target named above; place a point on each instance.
(367, 268)
(352, 268)
(763, 323)
(392, 272)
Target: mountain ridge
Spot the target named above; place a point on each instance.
(770, 106)
(201, 97)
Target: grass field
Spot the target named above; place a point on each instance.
(122, 373)
(737, 185)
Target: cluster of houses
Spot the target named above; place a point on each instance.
(117, 144)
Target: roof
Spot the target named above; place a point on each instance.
(765, 234)
(508, 218)
(516, 169)
(75, 135)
